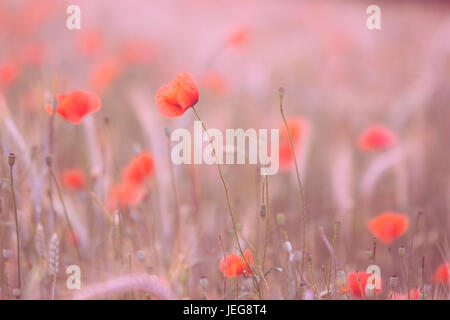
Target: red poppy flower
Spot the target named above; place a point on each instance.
(104, 74)
(124, 195)
(388, 226)
(376, 138)
(442, 273)
(299, 129)
(74, 179)
(235, 266)
(139, 168)
(175, 98)
(9, 72)
(355, 283)
(74, 106)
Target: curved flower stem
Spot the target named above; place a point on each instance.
(300, 185)
(227, 195)
(266, 242)
(65, 214)
(11, 160)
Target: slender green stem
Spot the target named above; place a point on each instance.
(300, 185)
(333, 244)
(69, 224)
(266, 242)
(17, 226)
(227, 196)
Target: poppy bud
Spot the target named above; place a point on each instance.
(393, 281)
(7, 254)
(141, 255)
(369, 254)
(281, 219)
(262, 211)
(16, 292)
(287, 246)
(49, 161)
(204, 283)
(167, 132)
(11, 159)
(297, 256)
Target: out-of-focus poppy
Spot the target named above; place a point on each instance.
(32, 54)
(139, 168)
(103, 74)
(70, 237)
(89, 42)
(356, 282)
(299, 128)
(123, 195)
(234, 266)
(238, 37)
(376, 137)
(175, 98)
(9, 72)
(215, 82)
(388, 226)
(136, 51)
(74, 106)
(442, 273)
(74, 179)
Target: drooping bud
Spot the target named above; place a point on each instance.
(262, 211)
(11, 159)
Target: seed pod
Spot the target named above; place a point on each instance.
(11, 159)
(393, 281)
(204, 283)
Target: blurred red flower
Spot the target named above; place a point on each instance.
(215, 82)
(136, 51)
(442, 273)
(32, 53)
(69, 237)
(388, 226)
(123, 195)
(356, 282)
(376, 137)
(139, 168)
(9, 73)
(74, 106)
(238, 37)
(103, 74)
(299, 129)
(175, 98)
(234, 266)
(74, 179)
(89, 42)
